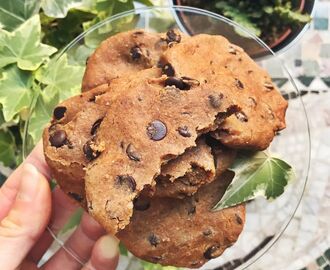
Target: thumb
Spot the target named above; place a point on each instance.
(27, 217)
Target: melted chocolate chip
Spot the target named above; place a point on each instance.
(241, 116)
(136, 53)
(239, 84)
(95, 126)
(171, 36)
(58, 138)
(127, 180)
(156, 130)
(215, 100)
(177, 82)
(141, 204)
(184, 131)
(168, 70)
(75, 196)
(209, 253)
(132, 153)
(238, 219)
(89, 152)
(59, 112)
(153, 240)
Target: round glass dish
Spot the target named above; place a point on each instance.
(265, 220)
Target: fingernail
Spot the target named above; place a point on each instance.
(29, 183)
(109, 246)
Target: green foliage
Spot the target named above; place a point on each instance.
(265, 18)
(7, 148)
(22, 46)
(256, 174)
(31, 82)
(15, 12)
(15, 91)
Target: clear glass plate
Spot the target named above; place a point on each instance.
(265, 220)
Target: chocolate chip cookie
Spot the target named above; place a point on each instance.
(126, 53)
(184, 233)
(208, 59)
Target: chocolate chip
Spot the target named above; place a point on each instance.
(269, 86)
(177, 82)
(209, 253)
(76, 196)
(207, 232)
(132, 153)
(58, 138)
(238, 219)
(59, 112)
(239, 84)
(215, 100)
(184, 131)
(241, 116)
(250, 71)
(127, 180)
(156, 130)
(171, 36)
(153, 240)
(136, 53)
(89, 152)
(168, 70)
(141, 204)
(95, 126)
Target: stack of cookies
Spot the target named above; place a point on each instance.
(146, 147)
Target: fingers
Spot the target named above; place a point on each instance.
(105, 254)
(37, 158)
(62, 210)
(81, 242)
(27, 216)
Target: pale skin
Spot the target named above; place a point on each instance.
(27, 206)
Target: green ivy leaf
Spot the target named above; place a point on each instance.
(256, 174)
(15, 91)
(60, 77)
(105, 9)
(7, 148)
(60, 8)
(41, 115)
(15, 12)
(23, 46)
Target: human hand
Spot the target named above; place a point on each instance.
(27, 206)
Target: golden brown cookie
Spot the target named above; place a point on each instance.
(184, 233)
(148, 116)
(183, 175)
(208, 59)
(126, 53)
